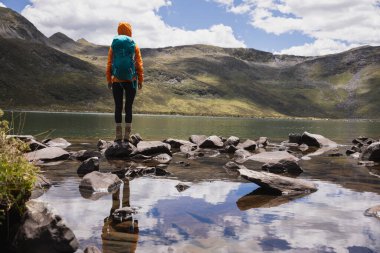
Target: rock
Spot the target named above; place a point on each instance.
(349, 152)
(366, 163)
(212, 141)
(123, 213)
(262, 142)
(356, 149)
(232, 140)
(278, 184)
(119, 150)
(273, 157)
(182, 187)
(229, 149)
(91, 249)
(283, 166)
(152, 148)
(241, 155)
(303, 147)
(100, 182)
(247, 145)
(21, 137)
(295, 138)
(88, 166)
(316, 140)
(162, 158)
(372, 152)
(47, 154)
(161, 172)
(102, 144)
(35, 145)
(135, 139)
(43, 231)
(175, 143)
(40, 186)
(232, 168)
(355, 155)
(82, 155)
(58, 142)
(197, 139)
(373, 212)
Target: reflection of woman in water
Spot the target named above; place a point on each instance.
(120, 236)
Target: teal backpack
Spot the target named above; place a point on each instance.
(123, 64)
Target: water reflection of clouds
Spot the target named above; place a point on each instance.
(205, 218)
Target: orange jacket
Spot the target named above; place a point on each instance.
(125, 28)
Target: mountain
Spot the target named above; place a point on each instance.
(195, 80)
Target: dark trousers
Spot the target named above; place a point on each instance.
(118, 89)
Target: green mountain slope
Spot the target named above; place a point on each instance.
(60, 73)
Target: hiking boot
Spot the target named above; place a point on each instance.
(128, 129)
(119, 132)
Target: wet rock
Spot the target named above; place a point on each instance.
(135, 139)
(82, 155)
(366, 163)
(88, 166)
(373, 212)
(212, 141)
(247, 145)
(58, 142)
(283, 166)
(295, 138)
(372, 152)
(47, 155)
(182, 187)
(162, 158)
(100, 182)
(262, 142)
(119, 150)
(40, 186)
(316, 140)
(273, 157)
(91, 249)
(241, 155)
(35, 145)
(187, 148)
(278, 184)
(232, 141)
(197, 139)
(102, 144)
(175, 143)
(152, 148)
(123, 213)
(43, 231)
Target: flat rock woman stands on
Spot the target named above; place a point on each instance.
(124, 73)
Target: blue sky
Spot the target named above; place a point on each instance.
(303, 27)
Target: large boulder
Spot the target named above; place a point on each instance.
(47, 155)
(100, 182)
(295, 138)
(283, 166)
(278, 184)
(82, 155)
(88, 166)
(43, 231)
(58, 142)
(372, 152)
(273, 157)
(176, 143)
(212, 141)
(197, 139)
(247, 145)
(316, 140)
(119, 150)
(152, 148)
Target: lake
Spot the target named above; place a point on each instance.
(219, 212)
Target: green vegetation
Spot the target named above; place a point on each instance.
(17, 175)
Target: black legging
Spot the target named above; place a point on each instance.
(130, 93)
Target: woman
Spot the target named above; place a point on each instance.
(124, 71)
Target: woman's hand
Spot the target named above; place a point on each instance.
(140, 86)
(110, 86)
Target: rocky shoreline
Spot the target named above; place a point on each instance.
(277, 179)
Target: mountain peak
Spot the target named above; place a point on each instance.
(15, 26)
(60, 39)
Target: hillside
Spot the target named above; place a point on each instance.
(196, 80)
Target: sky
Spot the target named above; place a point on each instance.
(300, 27)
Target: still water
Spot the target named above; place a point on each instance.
(219, 212)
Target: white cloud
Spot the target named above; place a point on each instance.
(335, 25)
(97, 21)
(2, 5)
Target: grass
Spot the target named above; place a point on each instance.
(17, 175)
